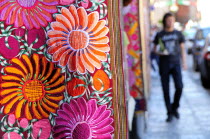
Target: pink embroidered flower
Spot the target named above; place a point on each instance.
(30, 13)
(43, 128)
(83, 120)
(12, 135)
(85, 3)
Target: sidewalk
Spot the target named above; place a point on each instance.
(194, 122)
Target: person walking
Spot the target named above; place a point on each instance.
(171, 56)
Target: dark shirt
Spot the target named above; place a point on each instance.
(171, 41)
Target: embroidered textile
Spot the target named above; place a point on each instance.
(56, 70)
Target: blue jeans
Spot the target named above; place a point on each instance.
(165, 71)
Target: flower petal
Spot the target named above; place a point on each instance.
(62, 135)
(7, 8)
(64, 115)
(18, 109)
(8, 107)
(34, 20)
(11, 18)
(20, 64)
(11, 78)
(42, 111)
(102, 124)
(57, 55)
(73, 11)
(76, 109)
(58, 26)
(63, 20)
(88, 65)
(103, 32)
(102, 40)
(100, 55)
(102, 116)
(83, 18)
(92, 59)
(36, 62)
(72, 61)
(44, 66)
(100, 47)
(91, 108)
(27, 112)
(105, 130)
(83, 106)
(61, 121)
(35, 111)
(69, 111)
(80, 66)
(50, 103)
(65, 57)
(29, 64)
(9, 97)
(56, 33)
(61, 128)
(47, 108)
(102, 136)
(13, 70)
(56, 81)
(56, 90)
(8, 91)
(26, 19)
(49, 71)
(65, 12)
(98, 26)
(55, 98)
(92, 21)
(18, 19)
(56, 44)
(10, 84)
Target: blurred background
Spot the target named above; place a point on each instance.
(193, 19)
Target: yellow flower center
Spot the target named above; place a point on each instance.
(78, 39)
(33, 90)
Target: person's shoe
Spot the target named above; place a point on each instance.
(176, 114)
(169, 118)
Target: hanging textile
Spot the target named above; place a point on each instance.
(60, 70)
(134, 54)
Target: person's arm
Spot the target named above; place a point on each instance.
(183, 53)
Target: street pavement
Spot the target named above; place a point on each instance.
(194, 122)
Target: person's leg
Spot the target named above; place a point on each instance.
(164, 74)
(152, 58)
(177, 76)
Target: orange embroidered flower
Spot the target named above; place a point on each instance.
(31, 88)
(101, 81)
(78, 40)
(30, 13)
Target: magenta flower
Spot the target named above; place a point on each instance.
(83, 120)
(30, 13)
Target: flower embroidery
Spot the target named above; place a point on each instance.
(76, 87)
(78, 40)
(101, 81)
(30, 13)
(32, 87)
(83, 120)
